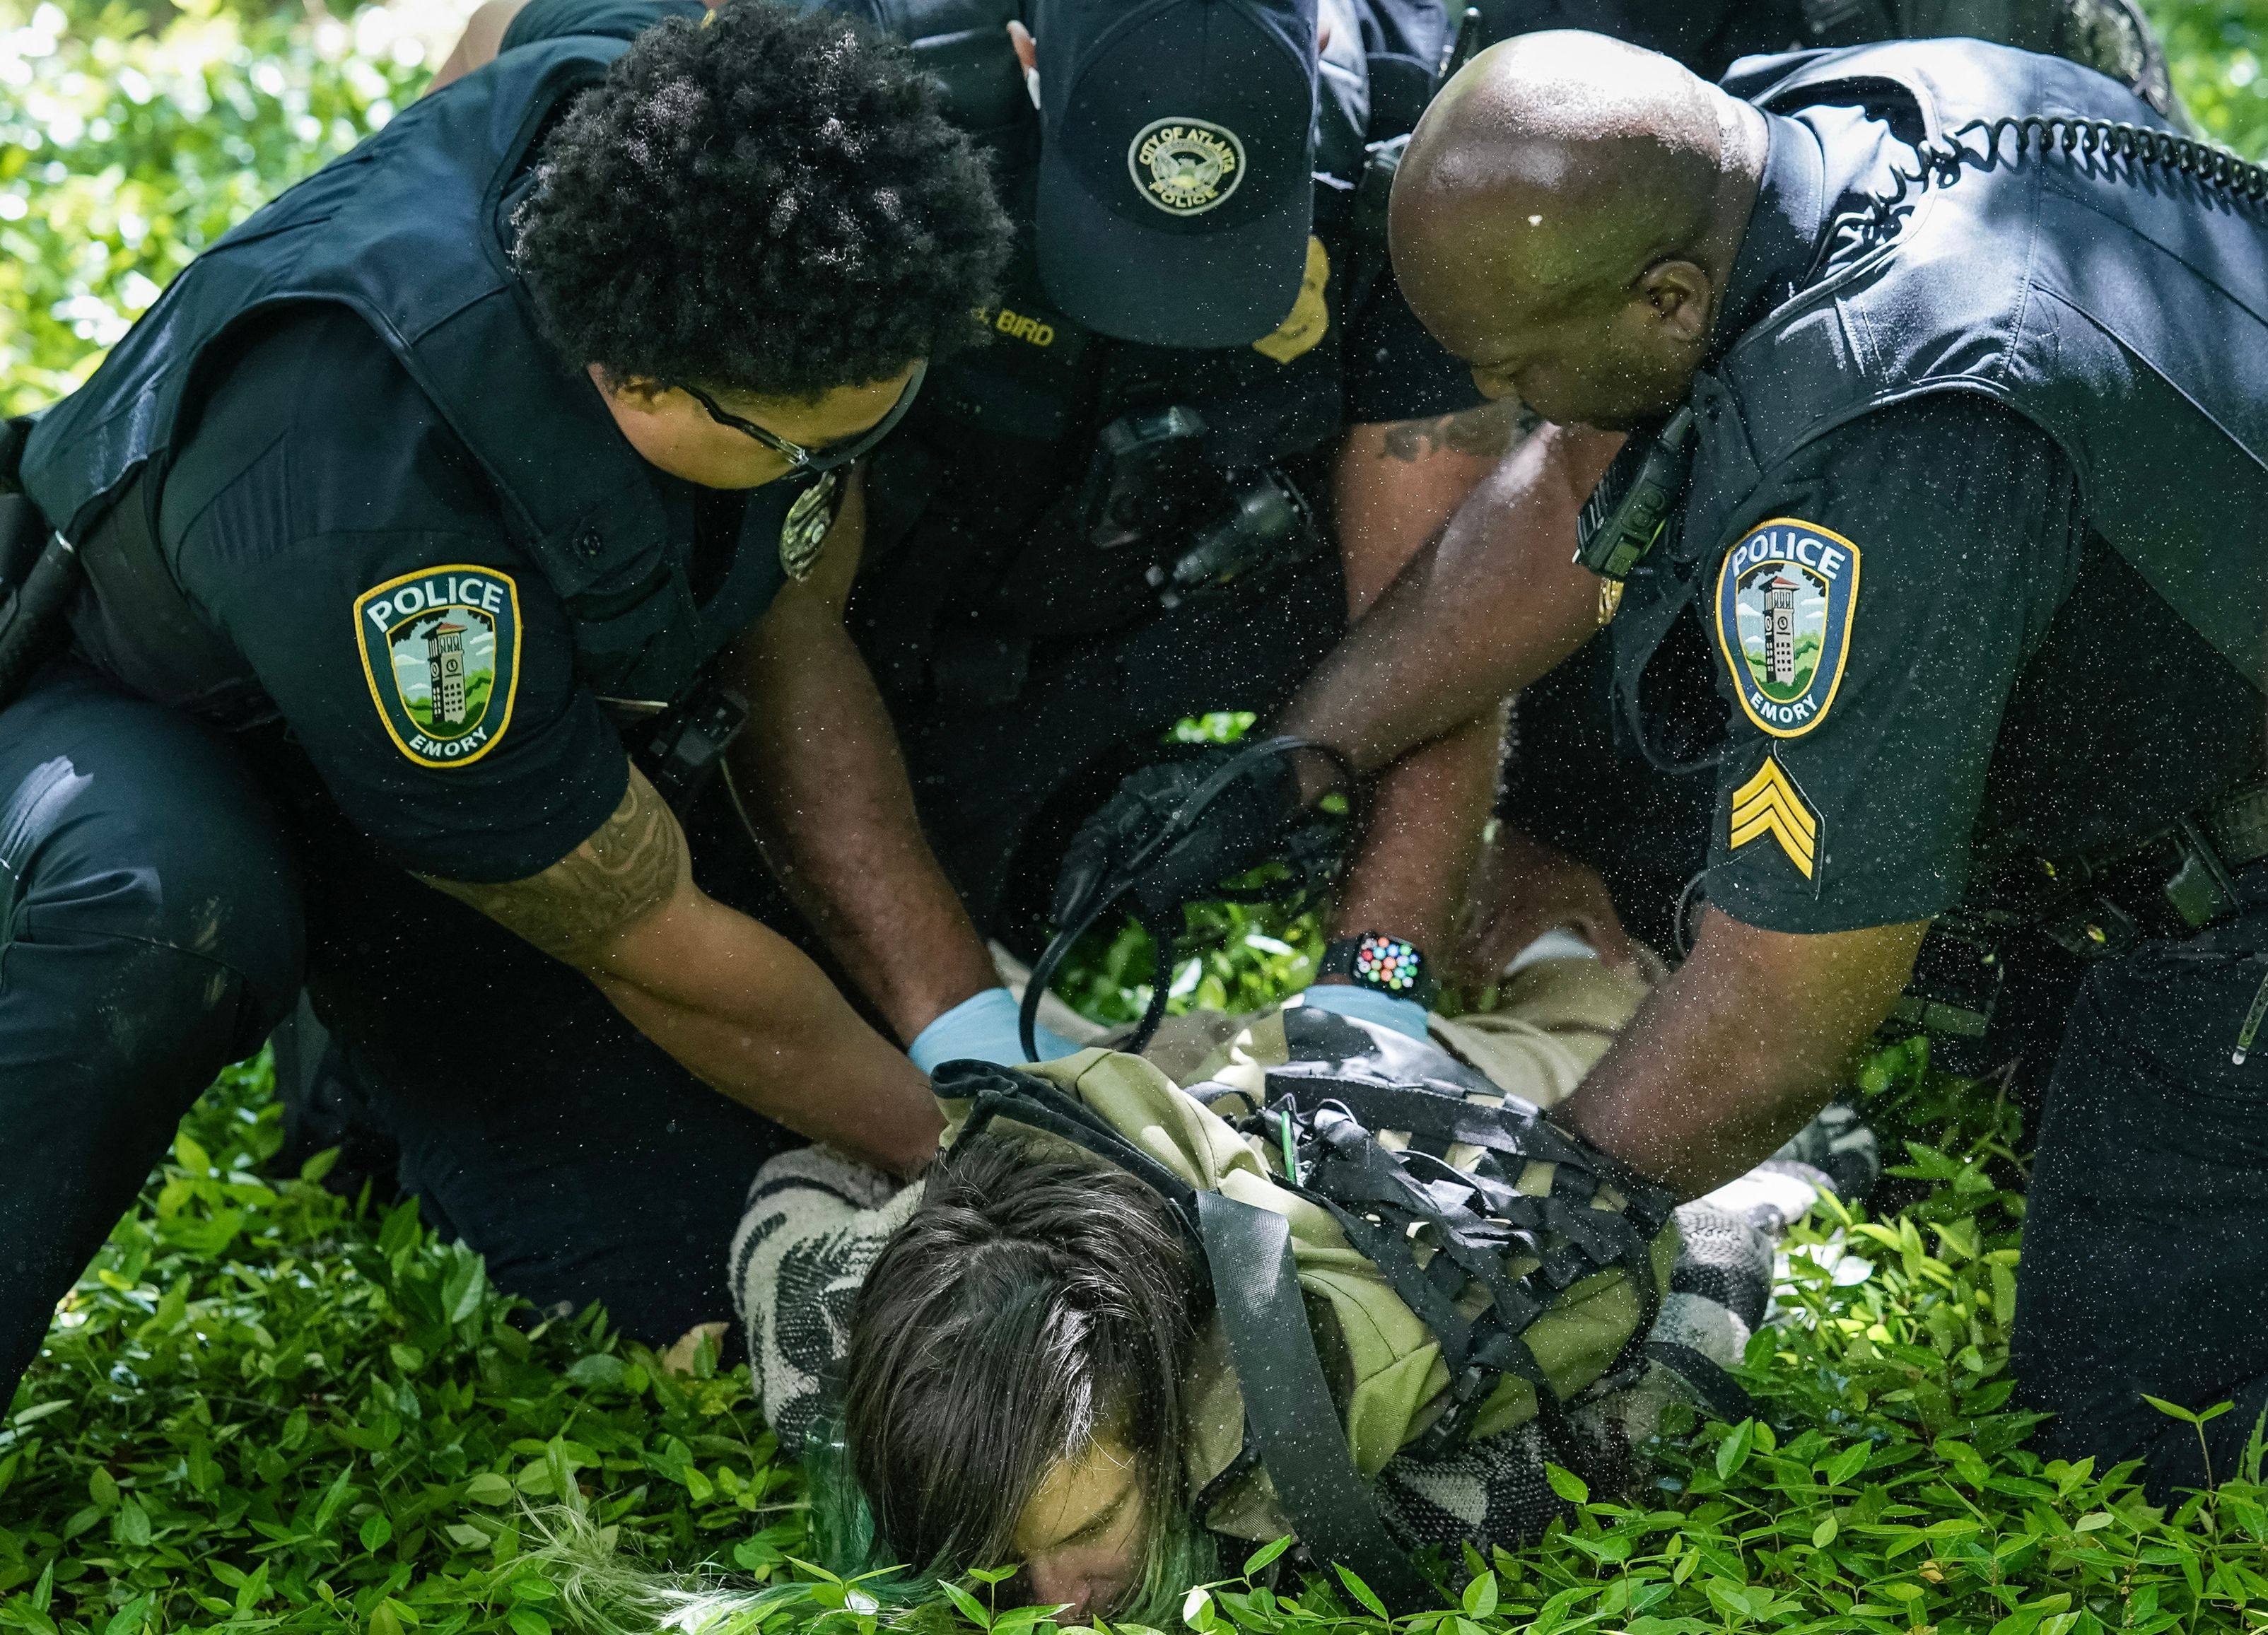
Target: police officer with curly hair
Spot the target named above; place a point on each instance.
(412, 516)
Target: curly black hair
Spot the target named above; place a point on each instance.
(771, 204)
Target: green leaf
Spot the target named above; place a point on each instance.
(489, 1488)
(597, 1371)
(1360, 1591)
(526, 1620)
(1849, 1463)
(401, 1229)
(1733, 1452)
(130, 1618)
(1260, 1558)
(971, 1608)
(1480, 1597)
(1567, 1484)
(376, 1531)
(1823, 1535)
(335, 1498)
(2172, 1410)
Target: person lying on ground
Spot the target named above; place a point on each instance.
(1011, 1362)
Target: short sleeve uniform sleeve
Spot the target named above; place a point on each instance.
(1868, 625)
(336, 533)
(612, 19)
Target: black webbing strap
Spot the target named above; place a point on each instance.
(1367, 1174)
(1033, 1101)
(1719, 1391)
(1287, 1405)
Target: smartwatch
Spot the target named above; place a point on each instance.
(1386, 964)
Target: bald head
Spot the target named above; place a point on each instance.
(1549, 178)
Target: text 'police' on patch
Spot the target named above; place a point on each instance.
(1784, 597)
(440, 649)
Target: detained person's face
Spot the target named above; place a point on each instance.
(1080, 1537)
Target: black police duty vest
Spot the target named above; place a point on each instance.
(2120, 307)
(409, 231)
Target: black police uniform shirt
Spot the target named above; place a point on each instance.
(318, 482)
(1928, 658)
(1010, 425)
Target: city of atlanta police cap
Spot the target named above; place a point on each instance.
(1176, 186)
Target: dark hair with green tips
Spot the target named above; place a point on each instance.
(1037, 1297)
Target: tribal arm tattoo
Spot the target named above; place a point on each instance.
(1487, 432)
(630, 865)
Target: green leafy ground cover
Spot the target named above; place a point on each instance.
(270, 1408)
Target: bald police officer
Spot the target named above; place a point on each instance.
(1946, 360)
(413, 516)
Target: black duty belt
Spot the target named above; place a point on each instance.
(2173, 884)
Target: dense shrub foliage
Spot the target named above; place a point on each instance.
(268, 1408)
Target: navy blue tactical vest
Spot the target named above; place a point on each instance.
(409, 231)
(2118, 305)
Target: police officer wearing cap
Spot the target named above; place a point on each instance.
(413, 516)
(1205, 428)
(1944, 368)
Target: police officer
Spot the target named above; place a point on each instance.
(411, 506)
(1947, 361)
(1095, 525)
(1592, 833)
(1206, 425)
(1080, 533)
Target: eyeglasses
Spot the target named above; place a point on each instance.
(827, 456)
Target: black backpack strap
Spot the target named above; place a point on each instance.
(1719, 1391)
(1032, 1101)
(1288, 1405)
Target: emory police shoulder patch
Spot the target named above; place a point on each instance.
(440, 649)
(1784, 597)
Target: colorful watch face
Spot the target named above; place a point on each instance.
(1388, 964)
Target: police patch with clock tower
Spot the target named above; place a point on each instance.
(1784, 597)
(440, 649)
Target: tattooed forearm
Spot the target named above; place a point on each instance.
(1489, 432)
(628, 868)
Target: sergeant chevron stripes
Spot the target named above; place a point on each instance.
(1770, 804)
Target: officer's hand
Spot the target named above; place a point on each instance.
(983, 1027)
(1239, 828)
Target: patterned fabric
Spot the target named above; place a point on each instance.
(815, 1222)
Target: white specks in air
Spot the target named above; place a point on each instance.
(1536, 221)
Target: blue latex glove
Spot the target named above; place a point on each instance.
(1367, 1005)
(983, 1027)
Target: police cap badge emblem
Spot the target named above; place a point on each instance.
(1185, 166)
